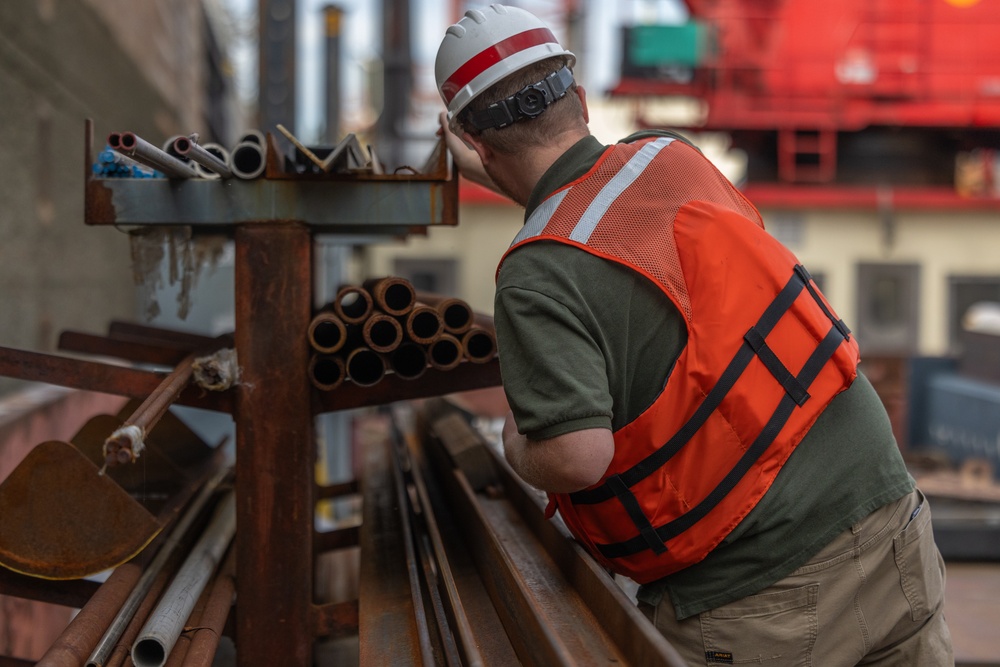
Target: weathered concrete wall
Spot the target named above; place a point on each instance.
(126, 65)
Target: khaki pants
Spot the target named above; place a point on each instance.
(873, 596)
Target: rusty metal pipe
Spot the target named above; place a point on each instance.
(327, 333)
(126, 443)
(445, 353)
(142, 151)
(424, 324)
(326, 371)
(392, 294)
(205, 640)
(365, 367)
(382, 332)
(165, 624)
(456, 313)
(85, 630)
(353, 304)
(104, 648)
(202, 155)
(479, 345)
(408, 361)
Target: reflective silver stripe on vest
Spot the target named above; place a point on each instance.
(610, 192)
(540, 217)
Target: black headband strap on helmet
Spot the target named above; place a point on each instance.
(528, 102)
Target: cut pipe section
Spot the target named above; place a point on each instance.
(353, 304)
(408, 361)
(327, 371)
(479, 345)
(382, 333)
(327, 333)
(445, 353)
(424, 324)
(133, 146)
(392, 294)
(210, 160)
(455, 313)
(248, 160)
(365, 367)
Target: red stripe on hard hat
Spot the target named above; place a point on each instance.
(486, 58)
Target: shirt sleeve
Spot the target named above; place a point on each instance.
(553, 369)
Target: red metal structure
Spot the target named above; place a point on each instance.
(813, 89)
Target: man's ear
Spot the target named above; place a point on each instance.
(582, 94)
(476, 144)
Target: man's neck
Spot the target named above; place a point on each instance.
(523, 171)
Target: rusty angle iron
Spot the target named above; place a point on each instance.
(61, 517)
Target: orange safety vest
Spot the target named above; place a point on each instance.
(765, 355)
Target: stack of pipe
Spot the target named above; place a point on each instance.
(182, 157)
(384, 326)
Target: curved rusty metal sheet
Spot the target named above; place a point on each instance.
(61, 519)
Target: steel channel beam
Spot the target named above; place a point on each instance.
(387, 616)
(275, 446)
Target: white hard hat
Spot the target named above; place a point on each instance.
(487, 45)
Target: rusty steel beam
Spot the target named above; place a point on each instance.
(387, 615)
(335, 620)
(275, 446)
(185, 340)
(130, 350)
(337, 490)
(330, 540)
(434, 382)
(102, 378)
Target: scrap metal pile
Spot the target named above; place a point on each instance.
(385, 326)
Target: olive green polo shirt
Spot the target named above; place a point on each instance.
(587, 343)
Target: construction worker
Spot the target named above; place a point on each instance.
(680, 387)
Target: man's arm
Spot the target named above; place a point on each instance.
(563, 464)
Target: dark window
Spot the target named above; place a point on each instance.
(963, 291)
(888, 308)
(438, 276)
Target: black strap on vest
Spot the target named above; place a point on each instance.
(727, 380)
(770, 431)
(796, 394)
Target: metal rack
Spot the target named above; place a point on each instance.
(272, 222)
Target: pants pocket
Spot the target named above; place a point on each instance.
(771, 628)
(920, 569)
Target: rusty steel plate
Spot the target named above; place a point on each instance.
(61, 519)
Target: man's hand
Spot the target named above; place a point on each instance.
(466, 159)
(563, 464)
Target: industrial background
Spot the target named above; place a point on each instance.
(376, 524)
